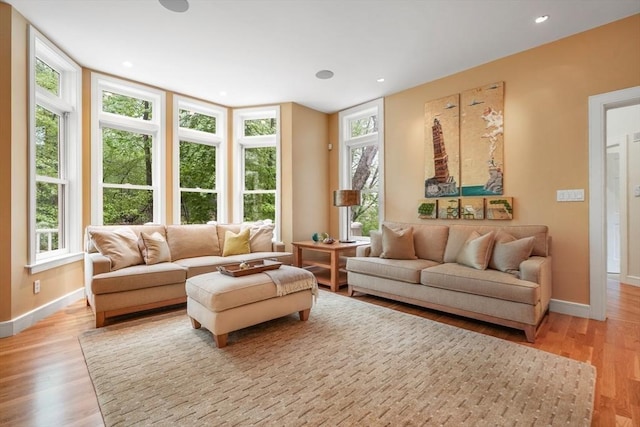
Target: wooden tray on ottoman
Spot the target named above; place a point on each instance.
(254, 267)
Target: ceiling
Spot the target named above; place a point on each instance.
(251, 52)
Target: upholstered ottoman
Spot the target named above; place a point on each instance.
(224, 304)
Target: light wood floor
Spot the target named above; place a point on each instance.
(44, 380)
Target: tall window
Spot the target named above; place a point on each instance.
(55, 154)
(199, 155)
(257, 140)
(128, 152)
(361, 164)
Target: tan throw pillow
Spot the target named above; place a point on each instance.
(397, 244)
(509, 252)
(119, 245)
(154, 248)
(260, 236)
(476, 251)
(376, 243)
(236, 244)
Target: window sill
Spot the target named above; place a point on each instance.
(51, 263)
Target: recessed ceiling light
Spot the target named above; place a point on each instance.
(175, 5)
(380, 80)
(324, 74)
(541, 19)
(127, 64)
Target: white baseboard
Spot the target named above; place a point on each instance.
(570, 308)
(630, 280)
(20, 323)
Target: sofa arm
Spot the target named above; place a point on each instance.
(538, 269)
(94, 264)
(364, 250)
(278, 247)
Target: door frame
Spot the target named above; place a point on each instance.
(598, 106)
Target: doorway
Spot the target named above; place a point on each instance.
(599, 106)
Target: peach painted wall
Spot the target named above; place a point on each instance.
(545, 136)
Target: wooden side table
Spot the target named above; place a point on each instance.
(331, 274)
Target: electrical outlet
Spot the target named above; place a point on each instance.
(36, 286)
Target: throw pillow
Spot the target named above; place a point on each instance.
(154, 248)
(509, 252)
(119, 245)
(376, 243)
(397, 244)
(260, 236)
(236, 244)
(476, 251)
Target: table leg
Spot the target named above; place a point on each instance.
(297, 257)
(335, 271)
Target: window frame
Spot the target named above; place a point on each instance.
(217, 140)
(347, 143)
(68, 106)
(154, 127)
(240, 143)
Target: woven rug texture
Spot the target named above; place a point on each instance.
(351, 364)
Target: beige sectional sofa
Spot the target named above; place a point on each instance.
(498, 274)
(135, 268)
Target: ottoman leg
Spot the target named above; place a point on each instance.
(304, 314)
(221, 340)
(195, 323)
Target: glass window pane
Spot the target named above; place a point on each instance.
(367, 213)
(198, 208)
(197, 121)
(47, 143)
(127, 157)
(126, 106)
(127, 206)
(197, 165)
(365, 168)
(47, 78)
(48, 202)
(364, 126)
(256, 127)
(260, 168)
(259, 206)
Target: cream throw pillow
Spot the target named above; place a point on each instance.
(476, 251)
(154, 248)
(397, 244)
(376, 243)
(119, 245)
(260, 236)
(509, 252)
(236, 244)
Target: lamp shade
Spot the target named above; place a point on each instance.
(346, 197)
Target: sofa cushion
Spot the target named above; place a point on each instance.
(429, 240)
(476, 251)
(138, 277)
(192, 240)
(236, 244)
(375, 239)
(119, 245)
(509, 252)
(397, 243)
(402, 270)
(261, 235)
(489, 283)
(208, 264)
(154, 248)
(222, 230)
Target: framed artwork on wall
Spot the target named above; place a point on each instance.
(499, 207)
(448, 209)
(428, 209)
(472, 208)
(442, 147)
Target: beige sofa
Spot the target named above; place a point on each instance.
(498, 274)
(134, 268)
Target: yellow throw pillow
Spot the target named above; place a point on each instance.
(119, 245)
(476, 251)
(397, 244)
(236, 244)
(154, 248)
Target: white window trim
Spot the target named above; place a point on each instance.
(154, 127)
(218, 140)
(347, 142)
(240, 141)
(69, 106)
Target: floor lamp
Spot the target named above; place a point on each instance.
(346, 198)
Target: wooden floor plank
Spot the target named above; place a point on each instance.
(44, 380)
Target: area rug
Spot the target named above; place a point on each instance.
(351, 363)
